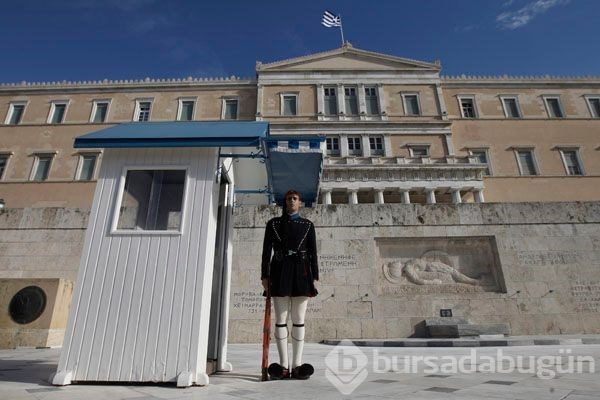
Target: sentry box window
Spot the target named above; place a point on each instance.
(151, 200)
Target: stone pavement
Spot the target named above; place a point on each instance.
(24, 374)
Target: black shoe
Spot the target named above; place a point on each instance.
(276, 372)
(304, 371)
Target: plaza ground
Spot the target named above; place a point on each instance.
(24, 374)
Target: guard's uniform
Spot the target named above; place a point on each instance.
(294, 265)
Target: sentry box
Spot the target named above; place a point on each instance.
(151, 302)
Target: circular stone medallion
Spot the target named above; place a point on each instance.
(27, 305)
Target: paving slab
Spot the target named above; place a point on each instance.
(24, 375)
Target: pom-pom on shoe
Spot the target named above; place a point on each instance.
(276, 372)
(303, 371)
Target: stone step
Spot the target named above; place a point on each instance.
(466, 330)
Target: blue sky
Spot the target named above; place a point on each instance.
(132, 39)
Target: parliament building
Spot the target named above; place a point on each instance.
(492, 179)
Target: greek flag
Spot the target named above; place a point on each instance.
(330, 20)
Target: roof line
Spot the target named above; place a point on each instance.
(136, 82)
(344, 49)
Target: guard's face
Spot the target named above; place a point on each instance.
(292, 203)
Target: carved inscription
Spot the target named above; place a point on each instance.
(586, 295)
(547, 258)
(253, 303)
(248, 301)
(332, 262)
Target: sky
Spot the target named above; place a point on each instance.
(74, 40)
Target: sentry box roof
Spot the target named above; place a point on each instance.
(292, 162)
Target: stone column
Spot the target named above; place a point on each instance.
(379, 196)
(320, 100)
(343, 145)
(430, 194)
(387, 145)
(382, 103)
(405, 196)
(362, 101)
(340, 99)
(478, 194)
(259, 101)
(366, 146)
(326, 196)
(353, 196)
(456, 196)
(449, 144)
(441, 101)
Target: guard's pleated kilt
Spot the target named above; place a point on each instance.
(289, 257)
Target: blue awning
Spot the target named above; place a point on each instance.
(177, 134)
(294, 162)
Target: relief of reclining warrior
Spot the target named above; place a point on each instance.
(412, 270)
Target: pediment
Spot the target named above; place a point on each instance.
(348, 59)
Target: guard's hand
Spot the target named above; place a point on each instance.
(265, 283)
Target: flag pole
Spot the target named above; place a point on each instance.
(342, 30)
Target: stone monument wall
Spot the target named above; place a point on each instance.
(386, 268)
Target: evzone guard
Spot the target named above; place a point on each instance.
(288, 272)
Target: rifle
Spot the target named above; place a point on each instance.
(266, 336)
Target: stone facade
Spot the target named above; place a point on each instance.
(544, 258)
(541, 259)
(388, 112)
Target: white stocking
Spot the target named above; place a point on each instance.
(282, 305)
(298, 311)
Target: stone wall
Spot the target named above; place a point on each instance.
(41, 242)
(536, 266)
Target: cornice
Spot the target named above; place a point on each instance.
(147, 83)
(345, 49)
(529, 81)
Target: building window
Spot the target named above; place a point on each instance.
(467, 106)
(41, 166)
(553, 107)
(350, 101)
(230, 109)
(526, 162)
(371, 101)
(58, 110)
(15, 113)
(143, 108)
(87, 167)
(354, 148)
(151, 200)
(333, 146)
(411, 104)
(482, 158)
(594, 105)
(511, 107)
(571, 161)
(418, 151)
(3, 164)
(376, 145)
(99, 111)
(289, 104)
(185, 110)
(330, 101)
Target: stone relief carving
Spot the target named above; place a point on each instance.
(432, 268)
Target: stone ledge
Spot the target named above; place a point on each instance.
(347, 215)
(474, 342)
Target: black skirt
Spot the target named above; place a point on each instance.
(291, 276)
